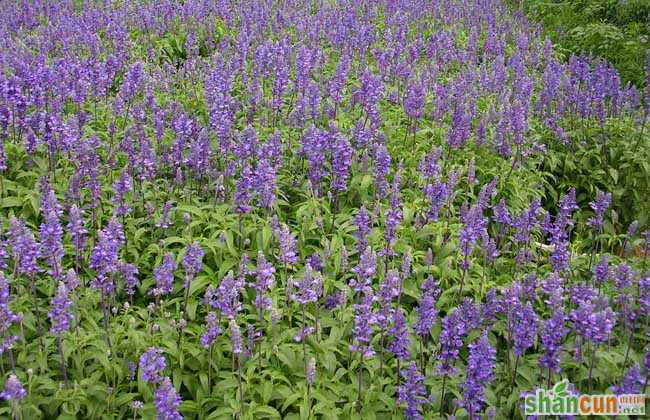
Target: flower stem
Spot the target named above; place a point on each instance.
(64, 372)
(241, 389)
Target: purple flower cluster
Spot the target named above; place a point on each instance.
(155, 124)
(226, 298)
(479, 374)
(309, 288)
(365, 271)
(51, 232)
(362, 331)
(164, 276)
(400, 334)
(192, 261)
(592, 323)
(427, 312)
(213, 331)
(265, 279)
(167, 401)
(632, 383)
(13, 390)
(7, 317)
(104, 258)
(121, 187)
(599, 206)
(287, 245)
(412, 391)
(451, 341)
(152, 363)
(60, 314)
(26, 250)
(524, 327)
(552, 335)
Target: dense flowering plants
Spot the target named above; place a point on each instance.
(313, 209)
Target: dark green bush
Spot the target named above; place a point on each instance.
(616, 30)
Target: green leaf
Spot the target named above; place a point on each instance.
(267, 412)
(560, 388)
(11, 202)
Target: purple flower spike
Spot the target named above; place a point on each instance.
(60, 313)
(152, 363)
(14, 390)
(600, 206)
(166, 400)
(412, 391)
(480, 373)
(164, 276)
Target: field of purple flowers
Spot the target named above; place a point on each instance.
(313, 209)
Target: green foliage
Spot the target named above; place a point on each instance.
(616, 30)
(603, 159)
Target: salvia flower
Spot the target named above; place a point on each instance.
(166, 400)
(235, 338)
(26, 250)
(471, 314)
(341, 162)
(480, 373)
(13, 390)
(593, 324)
(491, 307)
(132, 370)
(334, 300)
(412, 391)
(393, 217)
(4, 254)
(365, 271)
(309, 288)
(7, 317)
(364, 320)
(599, 206)
(436, 194)
(601, 271)
(104, 258)
(524, 328)
(265, 279)
(60, 314)
(129, 273)
(303, 333)
(526, 221)
(382, 168)
(51, 233)
(623, 277)
(193, 260)
(121, 187)
(226, 297)
(414, 100)
(315, 261)
(400, 334)
(502, 214)
(152, 363)
(388, 290)
(552, 334)
(644, 296)
(164, 276)
(311, 371)
(474, 224)
(165, 217)
(632, 382)
(451, 341)
(288, 254)
(363, 224)
(213, 331)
